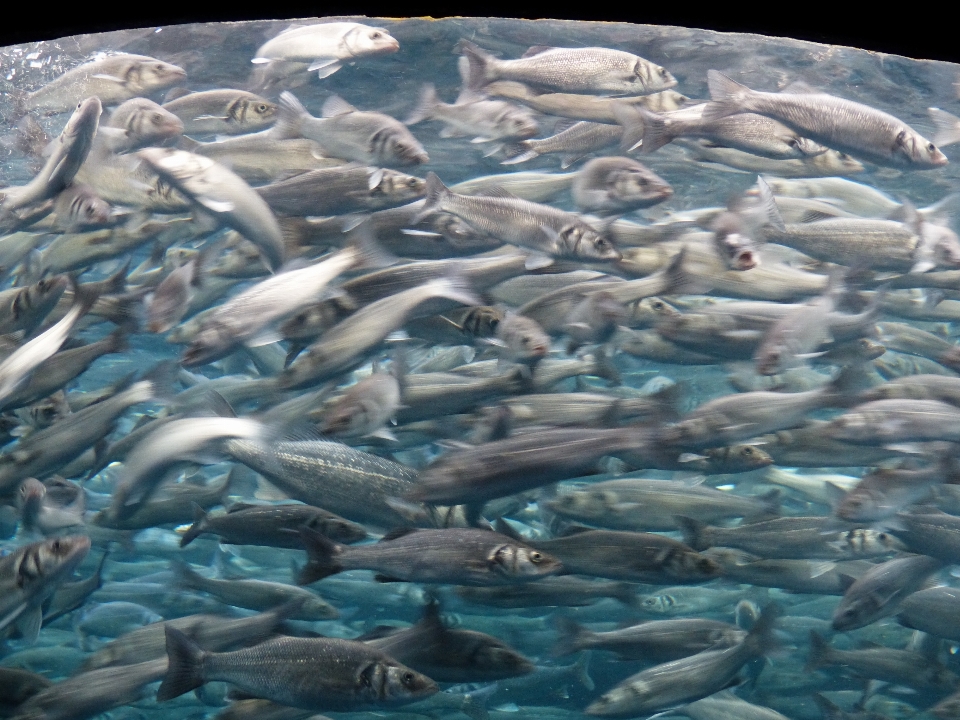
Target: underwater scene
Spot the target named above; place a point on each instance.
(477, 368)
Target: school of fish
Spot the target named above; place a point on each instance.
(321, 394)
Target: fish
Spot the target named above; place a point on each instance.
(67, 154)
(686, 679)
(337, 674)
(473, 114)
(462, 556)
(325, 46)
(139, 122)
(226, 112)
(345, 132)
(614, 185)
(585, 69)
(879, 592)
(836, 122)
(31, 574)
(221, 193)
(113, 78)
(540, 228)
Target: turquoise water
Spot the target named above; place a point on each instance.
(704, 362)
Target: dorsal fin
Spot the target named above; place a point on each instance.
(536, 50)
(496, 191)
(378, 633)
(799, 87)
(398, 533)
(575, 530)
(336, 105)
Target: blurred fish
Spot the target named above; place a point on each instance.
(228, 112)
(325, 46)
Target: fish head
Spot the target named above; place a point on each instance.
(482, 321)
(153, 124)
(692, 565)
(151, 74)
(859, 505)
(522, 561)
(209, 344)
(638, 185)
(312, 321)
(855, 611)
(401, 148)
(524, 337)
(916, 149)
(519, 124)
(364, 40)
(650, 311)
(399, 186)
(579, 240)
(769, 360)
(605, 309)
(87, 208)
(807, 147)
(851, 426)
(582, 503)
(85, 118)
(647, 77)
(620, 699)
(256, 111)
(400, 684)
(737, 458)
(659, 604)
(30, 497)
(47, 563)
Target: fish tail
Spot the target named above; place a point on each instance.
(571, 637)
(692, 531)
(768, 204)
(642, 129)
(946, 127)
(117, 341)
(290, 116)
(457, 288)
(196, 529)
(761, 638)
(679, 280)
(436, 192)
(604, 368)
(321, 556)
(828, 710)
(478, 65)
(425, 106)
(369, 254)
(819, 653)
(185, 671)
(626, 594)
(183, 575)
(518, 152)
(727, 96)
(582, 670)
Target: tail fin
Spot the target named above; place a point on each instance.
(369, 254)
(692, 531)
(625, 593)
(478, 62)
(727, 96)
(321, 554)
(642, 129)
(518, 152)
(436, 192)
(572, 637)
(768, 203)
(604, 368)
(947, 127)
(455, 288)
(828, 710)
(678, 280)
(195, 530)
(290, 116)
(582, 670)
(761, 639)
(185, 671)
(425, 106)
(819, 653)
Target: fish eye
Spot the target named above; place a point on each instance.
(376, 35)
(57, 545)
(526, 339)
(412, 182)
(156, 118)
(536, 557)
(79, 104)
(494, 323)
(748, 451)
(931, 147)
(407, 678)
(262, 107)
(663, 72)
(883, 536)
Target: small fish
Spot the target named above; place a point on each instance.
(226, 112)
(475, 115)
(617, 185)
(140, 122)
(325, 46)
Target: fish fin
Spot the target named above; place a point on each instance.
(196, 529)
(571, 636)
(336, 105)
(799, 87)
(321, 554)
(322, 63)
(28, 624)
(583, 670)
(819, 653)
(375, 178)
(261, 60)
(398, 532)
(726, 96)
(947, 127)
(518, 153)
(290, 115)
(436, 192)
(692, 531)
(536, 261)
(185, 669)
(266, 336)
(536, 50)
(384, 434)
(217, 206)
(480, 139)
(769, 204)
(425, 105)
(821, 568)
(110, 78)
(505, 528)
(478, 61)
